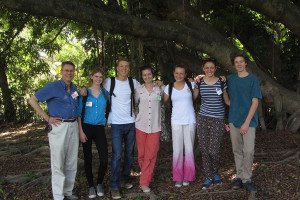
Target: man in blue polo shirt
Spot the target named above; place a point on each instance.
(244, 93)
(62, 98)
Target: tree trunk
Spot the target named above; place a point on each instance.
(9, 108)
(261, 117)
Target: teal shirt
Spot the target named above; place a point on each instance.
(94, 109)
(241, 92)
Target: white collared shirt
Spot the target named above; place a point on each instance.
(148, 119)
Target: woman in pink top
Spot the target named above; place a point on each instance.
(148, 126)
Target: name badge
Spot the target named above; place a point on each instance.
(74, 95)
(89, 104)
(158, 98)
(219, 91)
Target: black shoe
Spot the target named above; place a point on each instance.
(237, 184)
(249, 186)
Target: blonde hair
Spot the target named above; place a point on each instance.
(95, 71)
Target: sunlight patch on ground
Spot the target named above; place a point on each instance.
(135, 173)
(20, 131)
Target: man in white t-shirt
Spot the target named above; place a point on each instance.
(122, 120)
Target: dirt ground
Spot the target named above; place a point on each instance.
(25, 169)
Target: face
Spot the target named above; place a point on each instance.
(67, 72)
(97, 78)
(147, 76)
(123, 68)
(240, 64)
(179, 74)
(209, 69)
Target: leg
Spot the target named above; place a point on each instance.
(101, 144)
(204, 142)
(71, 157)
(151, 149)
(129, 138)
(189, 162)
(217, 130)
(87, 152)
(237, 148)
(249, 142)
(177, 137)
(140, 143)
(116, 139)
(57, 139)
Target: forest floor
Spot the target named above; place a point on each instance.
(25, 169)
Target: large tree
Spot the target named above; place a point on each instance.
(189, 24)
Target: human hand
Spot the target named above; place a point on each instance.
(55, 121)
(244, 128)
(223, 78)
(83, 91)
(82, 137)
(198, 78)
(191, 80)
(158, 83)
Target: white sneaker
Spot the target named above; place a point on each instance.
(145, 188)
(100, 191)
(178, 184)
(92, 193)
(185, 183)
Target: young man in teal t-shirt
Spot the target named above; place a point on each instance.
(244, 93)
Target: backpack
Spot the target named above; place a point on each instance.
(171, 85)
(111, 93)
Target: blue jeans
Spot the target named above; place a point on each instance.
(120, 133)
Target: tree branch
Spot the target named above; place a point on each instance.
(58, 33)
(206, 39)
(280, 10)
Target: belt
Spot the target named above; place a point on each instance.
(69, 120)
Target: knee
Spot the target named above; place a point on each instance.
(248, 153)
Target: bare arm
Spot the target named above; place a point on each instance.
(166, 97)
(245, 126)
(226, 98)
(34, 102)
(82, 135)
(196, 93)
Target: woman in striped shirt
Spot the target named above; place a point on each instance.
(210, 122)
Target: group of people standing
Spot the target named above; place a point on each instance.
(83, 118)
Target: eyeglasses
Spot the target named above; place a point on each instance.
(68, 71)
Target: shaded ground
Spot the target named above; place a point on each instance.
(24, 169)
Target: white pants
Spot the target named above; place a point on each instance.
(64, 141)
(183, 137)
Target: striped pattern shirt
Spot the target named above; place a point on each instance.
(211, 102)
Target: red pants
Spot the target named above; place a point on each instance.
(148, 146)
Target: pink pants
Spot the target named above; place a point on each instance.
(148, 146)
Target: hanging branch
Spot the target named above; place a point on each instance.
(58, 33)
(97, 45)
(103, 49)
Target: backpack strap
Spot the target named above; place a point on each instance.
(222, 84)
(132, 94)
(111, 92)
(83, 105)
(189, 84)
(222, 89)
